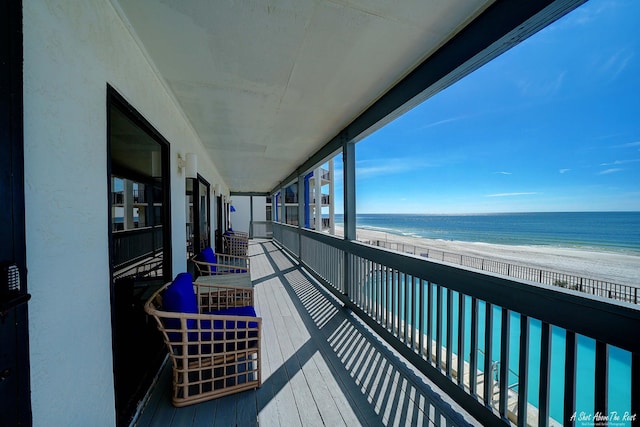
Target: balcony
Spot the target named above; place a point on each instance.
(334, 355)
(321, 365)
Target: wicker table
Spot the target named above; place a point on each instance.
(233, 279)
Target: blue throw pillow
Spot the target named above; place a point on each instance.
(207, 255)
(179, 297)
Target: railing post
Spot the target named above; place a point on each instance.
(251, 217)
(301, 218)
(349, 177)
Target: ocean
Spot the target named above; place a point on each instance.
(611, 231)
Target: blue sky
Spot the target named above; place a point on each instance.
(551, 125)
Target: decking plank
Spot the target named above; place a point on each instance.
(294, 337)
(247, 409)
(184, 416)
(267, 407)
(305, 294)
(226, 411)
(280, 379)
(205, 413)
(158, 398)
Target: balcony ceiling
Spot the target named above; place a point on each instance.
(266, 84)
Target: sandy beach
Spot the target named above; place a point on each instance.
(613, 267)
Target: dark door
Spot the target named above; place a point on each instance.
(219, 222)
(15, 401)
(198, 215)
(140, 260)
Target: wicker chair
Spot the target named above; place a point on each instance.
(236, 243)
(209, 263)
(214, 351)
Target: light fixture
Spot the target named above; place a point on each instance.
(190, 164)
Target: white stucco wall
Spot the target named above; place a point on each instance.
(241, 218)
(72, 49)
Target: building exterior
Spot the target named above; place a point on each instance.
(103, 199)
(316, 205)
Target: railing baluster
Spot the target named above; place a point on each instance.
(381, 309)
(439, 326)
(602, 377)
(504, 363)
(396, 303)
(571, 347)
(461, 331)
(406, 279)
(384, 302)
(429, 321)
(635, 385)
(523, 371)
(362, 266)
(545, 377)
(414, 313)
(374, 296)
(421, 284)
(488, 342)
(369, 289)
(449, 332)
(473, 355)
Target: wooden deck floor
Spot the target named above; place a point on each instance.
(321, 366)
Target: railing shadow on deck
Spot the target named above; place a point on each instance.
(380, 386)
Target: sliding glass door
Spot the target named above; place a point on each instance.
(198, 215)
(139, 258)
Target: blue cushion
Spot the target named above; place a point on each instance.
(179, 297)
(207, 255)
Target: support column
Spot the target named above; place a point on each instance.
(318, 202)
(251, 217)
(127, 202)
(332, 200)
(301, 202)
(349, 171)
(301, 216)
(283, 205)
